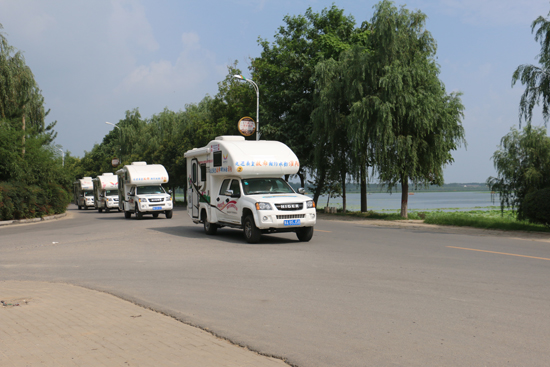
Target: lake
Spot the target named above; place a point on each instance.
(420, 201)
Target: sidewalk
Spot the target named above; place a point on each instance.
(52, 324)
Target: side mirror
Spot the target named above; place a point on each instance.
(228, 192)
(129, 194)
(170, 192)
(301, 190)
(81, 195)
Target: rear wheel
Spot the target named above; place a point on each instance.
(127, 215)
(304, 234)
(168, 214)
(209, 228)
(251, 232)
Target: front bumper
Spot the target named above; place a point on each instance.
(285, 220)
(155, 207)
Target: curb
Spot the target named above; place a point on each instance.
(32, 220)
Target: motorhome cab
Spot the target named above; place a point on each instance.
(238, 183)
(106, 192)
(140, 190)
(83, 193)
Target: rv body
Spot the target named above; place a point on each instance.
(233, 182)
(83, 190)
(140, 190)
(106, 192)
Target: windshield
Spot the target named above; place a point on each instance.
(254, 186)
(143, 190)
(111, 192)
(88, 193)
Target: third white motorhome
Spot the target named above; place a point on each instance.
(106, 192)
(83, 193)
(238, 183)
(140, 190)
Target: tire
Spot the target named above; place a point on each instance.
(79, 207)
(168, 214)
(139, 215)
(155, 215)
(251, 232)
(304, 234)
(209, 228)
(107, 210)
(100, 210)
(85, 207)
(127, 215)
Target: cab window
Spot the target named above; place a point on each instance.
(225, 186)
(235, 187)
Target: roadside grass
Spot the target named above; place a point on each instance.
(486, 219)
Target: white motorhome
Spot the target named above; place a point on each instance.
(140, 190)
(83, 193)
(106, 192)
(239, 183)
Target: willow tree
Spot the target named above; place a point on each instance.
(416, 124)
(536, 78)
(20, 98)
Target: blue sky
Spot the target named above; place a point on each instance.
(94, 60)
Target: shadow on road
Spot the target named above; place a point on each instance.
(226, 235)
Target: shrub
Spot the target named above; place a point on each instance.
(536, 207)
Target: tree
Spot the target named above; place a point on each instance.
(284, 74)
(522, 163)
(416, 123)
(536, 78)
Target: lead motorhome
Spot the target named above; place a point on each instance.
(238, 183)
(83, 193)
(140, 190)
(106, 192)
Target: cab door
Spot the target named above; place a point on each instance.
(228, 201)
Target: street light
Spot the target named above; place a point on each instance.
(120, 148)
(62, 156)
(240, 77)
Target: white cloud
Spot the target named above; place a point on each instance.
(129, 25)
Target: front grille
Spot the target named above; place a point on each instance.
(156, 200)
(291, 216)
(290, 206)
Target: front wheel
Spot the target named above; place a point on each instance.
(127, 215)
(139, 215)
(100, 210)
(304, 234)
(251, 232)
(168, 214)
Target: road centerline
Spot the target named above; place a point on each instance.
(499, 253)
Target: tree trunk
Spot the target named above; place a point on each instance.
(320, 185)
(343, 191)
(363, 189)
(404, 196)
(23, 152)
(302, 178)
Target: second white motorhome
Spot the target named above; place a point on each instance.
(106, 192)
(140, 190)
(83, 190)
(238, 183)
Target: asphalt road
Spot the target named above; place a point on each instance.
(356, 295)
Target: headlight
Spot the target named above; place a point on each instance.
(142, 200)
(310, 204)
(263, 206)
(169, 198)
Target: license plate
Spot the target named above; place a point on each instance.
(157, 208)
(292, 222)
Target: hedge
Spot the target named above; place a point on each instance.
(20, 201)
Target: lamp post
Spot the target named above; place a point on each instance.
(62, 156)
(120, 148)
(240, 77)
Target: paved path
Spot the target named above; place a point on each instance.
(53, 324)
